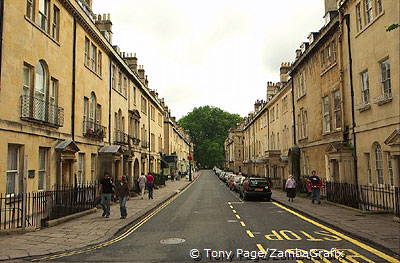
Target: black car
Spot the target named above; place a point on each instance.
(256, 187)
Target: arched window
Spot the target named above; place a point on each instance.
(378, 163)
(41, 78)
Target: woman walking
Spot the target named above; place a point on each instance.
(122, 188)
(150, 185)
(291, 188)
(142, 184)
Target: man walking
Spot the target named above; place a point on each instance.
(150, 184)
(316, 185)
(122, 191)
(106, 190)
(142, 184)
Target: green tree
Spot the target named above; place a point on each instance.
(208, 127)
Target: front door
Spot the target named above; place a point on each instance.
(66, 176)
(335, 172)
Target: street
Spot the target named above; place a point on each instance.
(212, 219)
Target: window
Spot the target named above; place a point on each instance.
(134, 95)
(87, 50)
(55, 28)
(86, 114)
(378, 163)
(369, 174)
(13, 169)
(100, 64)
(119, 81)
(125, 86)
(152, 143)
(93, 58)
(333, 49)
(378, 6)
(272, 114)
(284, 104)
(144, 105)
(301, 89)
(30, 9)
(305, 123)
(152, 113)
(44, 14)
(81, 168)
(337, 110)
(358, 16)
(53, 100)
(113, 76)
(26, 90)
(368, 11)
(42, 168)
(385, 78)
(326, 115)
(365, 87)
(98, 114)
(93, 162)
(390, 168)
(40, 91)
(277, 111)
(160, 119)
(92, 110)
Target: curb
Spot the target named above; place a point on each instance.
(344, 231)
(120, 230)
(61, 220)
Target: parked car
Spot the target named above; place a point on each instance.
(256, 187)
(238, 181)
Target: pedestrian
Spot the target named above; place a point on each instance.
(122, 191)
(106, 190)
(150, 184)
(142, 184)
(290, 187)
(316, 184)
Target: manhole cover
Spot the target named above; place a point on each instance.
(172, 241)
(232, 221)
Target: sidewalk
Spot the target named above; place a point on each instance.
(377, 228)
(86, 230)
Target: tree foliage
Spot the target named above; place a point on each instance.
(208, 127)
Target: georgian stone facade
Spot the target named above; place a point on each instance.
(73, 105)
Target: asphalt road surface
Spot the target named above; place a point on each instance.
(210, 223)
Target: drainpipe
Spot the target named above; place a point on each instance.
(109, 101)
(149, 140)
(1, 34)
(73, 82)
(347, 18)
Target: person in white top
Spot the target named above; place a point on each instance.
(142, 184)
(291, 188)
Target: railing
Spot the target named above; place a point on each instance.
(45, 205)
(133, 140)
(383, 198)
(145, 144)
(11, 210)
(94, 130)
(121, 138)
(42, 111)
(68, 200)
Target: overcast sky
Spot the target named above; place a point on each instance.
(211, 52)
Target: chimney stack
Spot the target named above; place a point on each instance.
(141, 73)
(104, 24)
(131, 60)
(272, 88)
(284, 71)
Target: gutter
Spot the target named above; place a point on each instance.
(73, 82)
(347, 18)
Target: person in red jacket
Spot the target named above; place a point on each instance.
(316, 184)
(150, 184)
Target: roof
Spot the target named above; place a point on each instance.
(67, 146)
(111, 149)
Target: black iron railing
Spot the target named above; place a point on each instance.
(67, 200)
(121, 138)
(42, 206)
(94, 130)
(42, 111)
(133, 140)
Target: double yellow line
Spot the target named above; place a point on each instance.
(120, 237)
